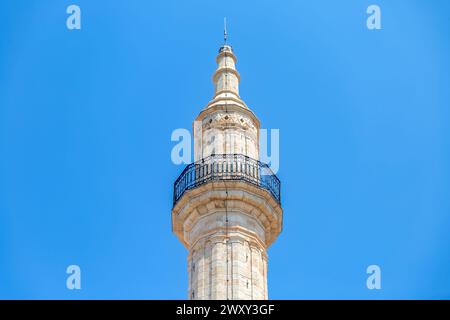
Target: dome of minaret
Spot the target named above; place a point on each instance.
(226, 48)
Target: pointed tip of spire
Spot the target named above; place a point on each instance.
(225, 34)
(225, 46)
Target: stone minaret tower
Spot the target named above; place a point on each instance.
(227, 208)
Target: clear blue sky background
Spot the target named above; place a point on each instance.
(86, 118)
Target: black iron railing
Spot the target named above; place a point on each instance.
(227, 167)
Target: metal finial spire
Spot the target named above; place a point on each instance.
(225, 34)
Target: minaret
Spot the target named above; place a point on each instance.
(227, 208)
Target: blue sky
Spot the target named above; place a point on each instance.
(86, 118)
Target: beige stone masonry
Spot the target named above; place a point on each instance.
(227, 225)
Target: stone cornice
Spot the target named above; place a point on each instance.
(239, 195)
(225, 70)
(228, 105)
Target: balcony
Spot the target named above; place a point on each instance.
(236, 167)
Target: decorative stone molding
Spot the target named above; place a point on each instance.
(223, 120)
(233, 196)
